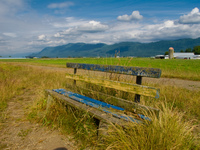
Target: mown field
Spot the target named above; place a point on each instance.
(176, 128)
(176, 68)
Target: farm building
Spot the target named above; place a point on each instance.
(196, 57)
(161, 57)
(179, 56)
(184, 55)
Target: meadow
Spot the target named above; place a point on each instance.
(176, 127)
(175, 68)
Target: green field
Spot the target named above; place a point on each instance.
(176, 68)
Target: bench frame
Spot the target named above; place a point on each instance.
(139, 72)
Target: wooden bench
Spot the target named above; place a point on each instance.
(110, 109)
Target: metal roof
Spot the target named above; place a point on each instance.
(183, 54)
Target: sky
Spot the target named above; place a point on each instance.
(28, 26)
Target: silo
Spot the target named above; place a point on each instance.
(171, 53)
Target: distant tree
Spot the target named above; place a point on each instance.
(182, 51)
(188, 50)
(0, 56)
(196, 50)
(167, 53)
(9, 56)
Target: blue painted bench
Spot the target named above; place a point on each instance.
(113, 108)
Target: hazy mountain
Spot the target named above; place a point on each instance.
(123, 49)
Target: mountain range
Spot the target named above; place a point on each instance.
(122, 49)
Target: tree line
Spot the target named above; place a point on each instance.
(195, 50)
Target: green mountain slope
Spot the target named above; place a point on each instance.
(123, 49)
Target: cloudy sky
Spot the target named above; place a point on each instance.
(28, 26)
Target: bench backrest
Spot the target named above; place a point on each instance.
(139, 72)
(135, 71)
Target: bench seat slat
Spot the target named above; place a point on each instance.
(135, 71)
(108, 108)
(82, 98)
(126, 87)
(129, 105)
(92, 111)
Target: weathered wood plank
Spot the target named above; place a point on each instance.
(108, 108)
(126, 104)
(126, 87)
(135, 71)
(92, 111)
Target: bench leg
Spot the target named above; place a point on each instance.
(102, 130)
(49, 102)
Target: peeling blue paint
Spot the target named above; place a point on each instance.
(100, 105)
(135, 71)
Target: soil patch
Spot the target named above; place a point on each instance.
(18, 133)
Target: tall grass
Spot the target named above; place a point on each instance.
(184, 100)
(11, 83)
(173, 130)
(167, 132)
(17, 79)
(70, 121)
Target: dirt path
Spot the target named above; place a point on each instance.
(19, 134)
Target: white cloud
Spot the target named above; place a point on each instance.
(92, 26)
(13, 35)
(69, 22)
(81, 27)
(60, 8)
(134, 16)
(167, 24)
(192, 18)
(168, 30)
(60, 5)
(58, 35)
(42, 37)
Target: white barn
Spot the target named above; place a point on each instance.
(179, 56)
(184, 55)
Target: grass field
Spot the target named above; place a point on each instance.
(175, 129)
(176, 68)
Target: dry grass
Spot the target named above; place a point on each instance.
(167, 132)
(16, 79)
(173, 130)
